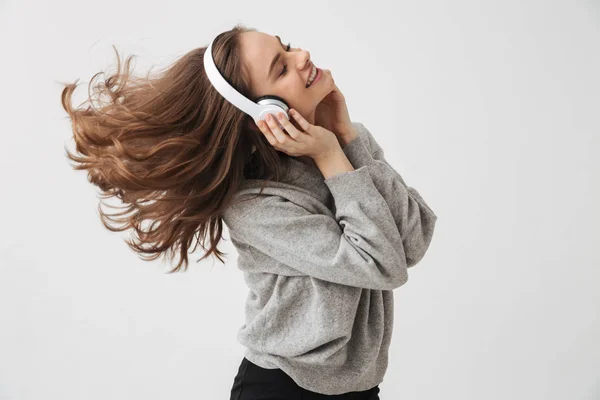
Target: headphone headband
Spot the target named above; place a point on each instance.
(258, 111)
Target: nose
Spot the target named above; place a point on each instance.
(304, 60)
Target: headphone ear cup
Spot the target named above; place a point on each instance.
(271, 97)
(271, 104)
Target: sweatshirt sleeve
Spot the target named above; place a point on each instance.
(413, 216)
(358, 246)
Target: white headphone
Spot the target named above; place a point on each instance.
(258, 110)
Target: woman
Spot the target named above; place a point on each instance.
(325, 228)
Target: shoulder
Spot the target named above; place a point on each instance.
(366, 137)
(246, 205)
(360, 128)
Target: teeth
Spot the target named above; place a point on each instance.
(312, 76)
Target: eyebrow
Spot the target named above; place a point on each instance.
(275, 59)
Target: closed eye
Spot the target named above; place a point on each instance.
(284, 70)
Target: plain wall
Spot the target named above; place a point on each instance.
(490, 109)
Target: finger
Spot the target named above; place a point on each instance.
(281, 136)
(264, 128)
(306, 127)
(289, 127)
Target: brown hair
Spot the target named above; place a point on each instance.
(171, 148)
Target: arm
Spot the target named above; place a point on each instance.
(413, 216)
(359, 246)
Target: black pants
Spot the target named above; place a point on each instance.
(256, 383)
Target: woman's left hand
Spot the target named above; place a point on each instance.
(332, 114)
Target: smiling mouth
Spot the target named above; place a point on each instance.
(316, 72)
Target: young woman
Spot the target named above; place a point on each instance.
(325, 228)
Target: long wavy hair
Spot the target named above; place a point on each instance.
(171, 148)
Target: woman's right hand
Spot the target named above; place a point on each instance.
(313, 141)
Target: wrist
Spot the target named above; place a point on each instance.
(326, 156)
(333, 163)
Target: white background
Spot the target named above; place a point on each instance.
(491, 109)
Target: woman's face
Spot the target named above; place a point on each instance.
(285, 78)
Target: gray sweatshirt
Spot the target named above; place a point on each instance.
(321, 258)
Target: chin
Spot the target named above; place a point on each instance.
(326, 92)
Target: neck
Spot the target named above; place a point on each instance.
(310, 117)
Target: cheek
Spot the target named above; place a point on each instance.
(299, 87)
(299, 97)
(297, 84)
